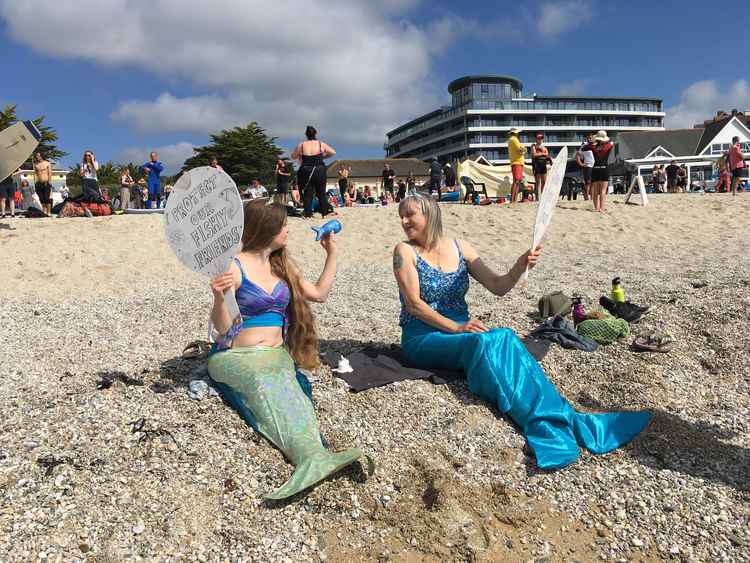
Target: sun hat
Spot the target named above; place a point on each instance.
(601, 136)
(515, 131)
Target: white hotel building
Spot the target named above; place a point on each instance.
(484, 108)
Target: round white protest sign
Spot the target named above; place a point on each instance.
(203, 220)
(548, 199)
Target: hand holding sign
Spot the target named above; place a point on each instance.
(548, 201)
(203, 221)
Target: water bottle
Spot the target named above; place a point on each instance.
(579, 312)
(618, 293)
(477, 199)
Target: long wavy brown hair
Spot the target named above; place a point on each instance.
(262, 224)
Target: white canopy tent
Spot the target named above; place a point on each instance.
(497, 179)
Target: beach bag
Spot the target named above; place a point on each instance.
(98, 209)
(71, 209)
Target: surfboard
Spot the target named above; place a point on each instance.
(143, 211)
(17, 142)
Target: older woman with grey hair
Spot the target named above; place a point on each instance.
(433, 273)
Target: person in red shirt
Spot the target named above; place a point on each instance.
(737, 163)
(601, 147)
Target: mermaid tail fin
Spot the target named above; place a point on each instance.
(603, 432)
(314, 469)
(501, 370)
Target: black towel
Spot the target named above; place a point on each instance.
(375, 366)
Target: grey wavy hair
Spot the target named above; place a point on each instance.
(431, 210)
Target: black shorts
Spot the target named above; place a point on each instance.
(672, 182)
(600, 174)
(587, 174)
(388, 187)
(539, 167)
(44, 191)
(7, 190)
(740, 172)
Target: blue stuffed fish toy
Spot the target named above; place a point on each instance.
(331, 227)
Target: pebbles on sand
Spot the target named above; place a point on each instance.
(83, 477)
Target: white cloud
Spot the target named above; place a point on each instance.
(354, 68)
(701, 100)
(172, 156)
(575, 87)
(346, 66)
(556, 18)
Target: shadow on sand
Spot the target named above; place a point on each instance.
(690, 448)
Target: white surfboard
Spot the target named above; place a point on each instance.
(548, 199)
(17, 142)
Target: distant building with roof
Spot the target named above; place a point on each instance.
(484, 108)
(697, 148)
(369, 172)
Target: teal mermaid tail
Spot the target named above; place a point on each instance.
(263, 385)
(499, 369)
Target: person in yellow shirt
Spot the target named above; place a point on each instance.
(516, 153)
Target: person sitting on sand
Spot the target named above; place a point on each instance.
(433, 272)
(367, 196)
(254, 359)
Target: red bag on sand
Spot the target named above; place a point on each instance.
(98, 209)
(71, 209)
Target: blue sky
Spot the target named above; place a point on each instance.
(135, 76)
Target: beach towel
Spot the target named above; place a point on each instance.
(376, 366)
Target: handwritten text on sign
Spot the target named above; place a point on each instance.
(204, 220)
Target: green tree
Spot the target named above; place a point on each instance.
(244, 153)
(48, 144)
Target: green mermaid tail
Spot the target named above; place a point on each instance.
(263, 380)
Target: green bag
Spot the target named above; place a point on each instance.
(555, 303)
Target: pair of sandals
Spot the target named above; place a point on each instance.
(653, 341)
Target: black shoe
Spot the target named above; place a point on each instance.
(628, 311)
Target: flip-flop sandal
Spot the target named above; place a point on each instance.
(653, 342)
(196, 349)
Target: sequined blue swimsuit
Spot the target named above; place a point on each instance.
(499, 369)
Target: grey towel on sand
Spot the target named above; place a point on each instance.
(375, 366)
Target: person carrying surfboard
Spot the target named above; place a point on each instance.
(8, 192)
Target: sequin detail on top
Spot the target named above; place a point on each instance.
(445, 292)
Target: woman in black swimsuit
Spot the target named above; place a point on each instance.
(282, 182)
(312, 172)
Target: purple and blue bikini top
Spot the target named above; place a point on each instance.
(258, 308)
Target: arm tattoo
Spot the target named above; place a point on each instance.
(398, 261)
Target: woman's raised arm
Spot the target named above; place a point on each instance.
(492, 281)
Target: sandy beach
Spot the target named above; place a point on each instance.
(87, 299)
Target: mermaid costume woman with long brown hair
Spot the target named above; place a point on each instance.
(253, 363)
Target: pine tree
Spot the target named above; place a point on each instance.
(244, 153)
